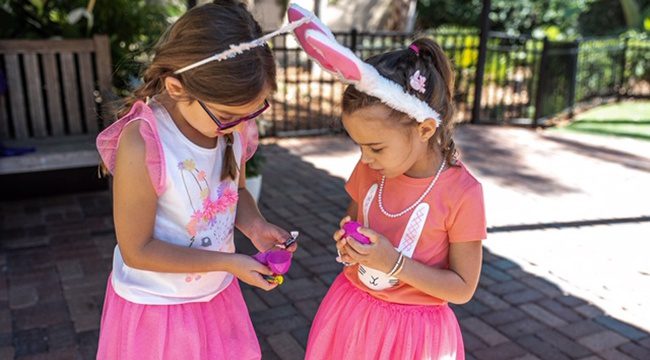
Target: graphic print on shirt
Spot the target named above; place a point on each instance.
(213, 213)
(378, 280)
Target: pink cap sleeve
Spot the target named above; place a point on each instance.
(250, 139)
(467, 220)
(109, 139)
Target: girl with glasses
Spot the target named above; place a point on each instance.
(178, 155)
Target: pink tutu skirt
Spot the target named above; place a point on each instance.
(218, 329)
(351, 324)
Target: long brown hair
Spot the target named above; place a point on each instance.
(203, 31)
(398, 66)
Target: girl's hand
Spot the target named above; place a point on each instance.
(379, 254)
(248, 270)
(265, 236)
(343, 257)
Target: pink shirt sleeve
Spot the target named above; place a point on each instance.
(108, 141)
(467, 221)
(354, 182)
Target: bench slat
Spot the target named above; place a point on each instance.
(45, 46)
(87, 89)
(35, 95)
(51, 101)
(53, 90)
(65, 152)
(16, 98)
(71, 93)
(104, 75)
(4, 118)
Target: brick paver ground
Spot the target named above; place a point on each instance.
(565, 274)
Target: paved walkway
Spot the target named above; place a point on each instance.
(566, 271)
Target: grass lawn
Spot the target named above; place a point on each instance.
(625, 119)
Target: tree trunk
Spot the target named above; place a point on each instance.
(632, 13)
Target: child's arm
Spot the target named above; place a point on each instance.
(456, 284)
(134, 208)
(252, 224)
(351, 212)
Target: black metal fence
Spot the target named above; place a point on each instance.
(558, 72)
(510, 79)
(525, 80)
(308, 100)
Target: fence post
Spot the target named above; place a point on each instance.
(575, 54)
(621, 86)
(482, 57)
(353, 40)
(539, 96)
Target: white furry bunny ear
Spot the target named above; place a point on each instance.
(319, 43)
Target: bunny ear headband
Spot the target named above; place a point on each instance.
(319, 43)
(235, 50)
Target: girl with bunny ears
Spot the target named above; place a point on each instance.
(178, 155)
(421, 209)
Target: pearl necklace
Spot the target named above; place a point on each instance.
(416, 203)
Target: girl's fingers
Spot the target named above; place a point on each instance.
(371, 234)
(341, 243)
(345, 258)
(359, 248)
(344, 220)
(339, 255)
(338, 234)
(352, 254)
(263, 270)
(264, 284)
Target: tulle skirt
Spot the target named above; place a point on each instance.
(218, 329)
(351, 324)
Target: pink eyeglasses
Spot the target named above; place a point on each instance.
(230, 124)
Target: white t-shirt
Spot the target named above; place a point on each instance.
(196, 210)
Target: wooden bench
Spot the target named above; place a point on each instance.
(57, 91)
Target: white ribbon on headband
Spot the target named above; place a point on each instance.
(235, 50)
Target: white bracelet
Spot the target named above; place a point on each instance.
(400, 259)
(399, 269)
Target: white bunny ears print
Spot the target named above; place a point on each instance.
(319, 43)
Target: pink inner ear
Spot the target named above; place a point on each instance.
(295, 15)
(336, 59)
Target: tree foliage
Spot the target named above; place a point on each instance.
(133, 26)
(558, 19)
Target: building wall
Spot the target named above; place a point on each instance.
(338, 15)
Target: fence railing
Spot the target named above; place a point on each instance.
(525, 80)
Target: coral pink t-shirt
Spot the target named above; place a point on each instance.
(457, 214)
